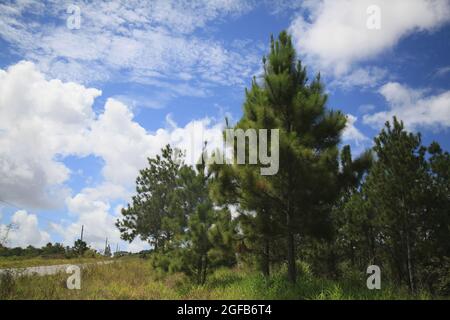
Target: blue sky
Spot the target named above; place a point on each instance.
(82, 108)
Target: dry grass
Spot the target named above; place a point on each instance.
(15, 262)
(133, 278)
(130, 279)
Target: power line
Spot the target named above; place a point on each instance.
(10, 204)
(83, 231)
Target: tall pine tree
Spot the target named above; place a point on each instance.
(296, 199)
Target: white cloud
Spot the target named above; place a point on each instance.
(333, 36)
(124, 145)
(441, 72)
(369, 77)
(91, 209)
(416, 108)
(163, 95)
(43, 121)
(132, 41)
(354, 136)
(39, 120)
(136, 246)
(26, 231)
(365, 108)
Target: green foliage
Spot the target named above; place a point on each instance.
(7, 284)
(136, 279)
(79, 247)
(278, 210)
(399, 218)
(335, 213)
(49, 251)
(91, 253)
(156, 211)
(173, 211)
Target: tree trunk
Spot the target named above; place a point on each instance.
(205, 269)
(352, 254)
(199, 269)
(409, 263)
(265, 263)
(292, 272)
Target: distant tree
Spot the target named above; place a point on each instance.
(80, 247)
(5, 232)
(31, 251)
(53, 249)
(107, 252)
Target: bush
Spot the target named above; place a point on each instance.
(7, 284)
(90, 253)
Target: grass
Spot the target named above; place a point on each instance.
(134, 278)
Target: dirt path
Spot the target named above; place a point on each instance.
(47, 270)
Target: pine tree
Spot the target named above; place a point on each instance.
(154, 214)
(297, 198)
(399, 217)
(172, 209)
(397, 189)
(80, 247)
(342, 241)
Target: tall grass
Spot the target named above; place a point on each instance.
(24, 262)
(134, 279)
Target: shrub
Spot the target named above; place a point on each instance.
(7, 284)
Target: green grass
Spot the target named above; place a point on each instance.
(133, 278)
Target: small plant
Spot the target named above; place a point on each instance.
(7, 284)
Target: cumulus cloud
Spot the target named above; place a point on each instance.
(334, 37)
(416, 107)
(43, 121)
(26, 231)
(92, 209)
(354, 136)
(124, 146)
(39, 120)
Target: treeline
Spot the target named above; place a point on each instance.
(325, 208)
(51, 251)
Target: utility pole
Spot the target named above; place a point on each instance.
(82, 230)
(106, 244)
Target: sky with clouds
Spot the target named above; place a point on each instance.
(82, 108)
